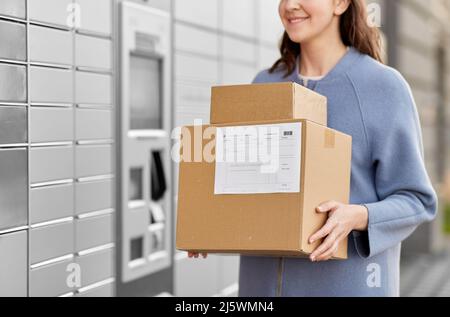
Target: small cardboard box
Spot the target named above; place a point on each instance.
(268, 224)
(266, 102)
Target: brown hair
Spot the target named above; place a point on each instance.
(354, 30)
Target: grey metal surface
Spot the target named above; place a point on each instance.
(51, 164)
(93, 160)
(14, 83)
(93, 232)
(13, 188)
(59, 55)
(58, 48)
(93, 52)
(40, 285)
(13, 8)
(51, 85)
(51, 203)
(13, 125)
(93, 88)
(93, 196)
(188, 11)
(51, 242)
(13, 264)
(94, 124)
(103, 291)
(49, 11)
(51, 124)
(96, 16)
(13, 38)
(96, 267)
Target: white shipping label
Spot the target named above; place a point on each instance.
(258, 159)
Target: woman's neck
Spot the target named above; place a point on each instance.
(318, 57)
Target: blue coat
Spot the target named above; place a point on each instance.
(374, 104)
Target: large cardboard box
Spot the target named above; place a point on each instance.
(269, 224)
(265, 102)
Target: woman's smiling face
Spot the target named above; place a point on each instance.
(304, 20)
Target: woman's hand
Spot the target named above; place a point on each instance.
(196, 255)
(342, 219)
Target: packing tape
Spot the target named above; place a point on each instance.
(330, 139)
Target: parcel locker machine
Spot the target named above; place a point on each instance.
(144, 125)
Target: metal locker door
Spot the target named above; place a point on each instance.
(14, 264)
(13, 188)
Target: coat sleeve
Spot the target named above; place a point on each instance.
(406, 196)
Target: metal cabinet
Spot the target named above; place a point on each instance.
(96, 267)
(40, 285)
(267, 56)
(50, 11)
(93, 160)
(14, 264)
(50, 85)
(193, 40)
(13, 37)
(187, 69)
(51, 164)
(14, 83)
(270, 28)
(13, 8)
(94, 53)
(96, 16)
(13, 125)
(239, 17)
(92, 124)
(101, 291)
(50, 242)
(56, 142)
(93, 89)
(235, 73)
(58, 48)
(238, 50)
(51, 124)
(93, 232)
(51, 202)
(13, 188)
(93, 196)
(189, 11)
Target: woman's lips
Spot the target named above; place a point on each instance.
(297, 20)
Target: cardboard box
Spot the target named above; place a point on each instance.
(446, 187)
(266, 102)
(269, 224)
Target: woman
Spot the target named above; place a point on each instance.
(329, 47)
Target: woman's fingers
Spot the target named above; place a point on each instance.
(328, 206)
(196, 255)
(327, 255)
(328, 248)
(326, 244)
(324, 231)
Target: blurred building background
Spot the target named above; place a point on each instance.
(90, 91)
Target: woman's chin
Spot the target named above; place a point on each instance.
(299, 39)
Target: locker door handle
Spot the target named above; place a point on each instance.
(158, 177)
